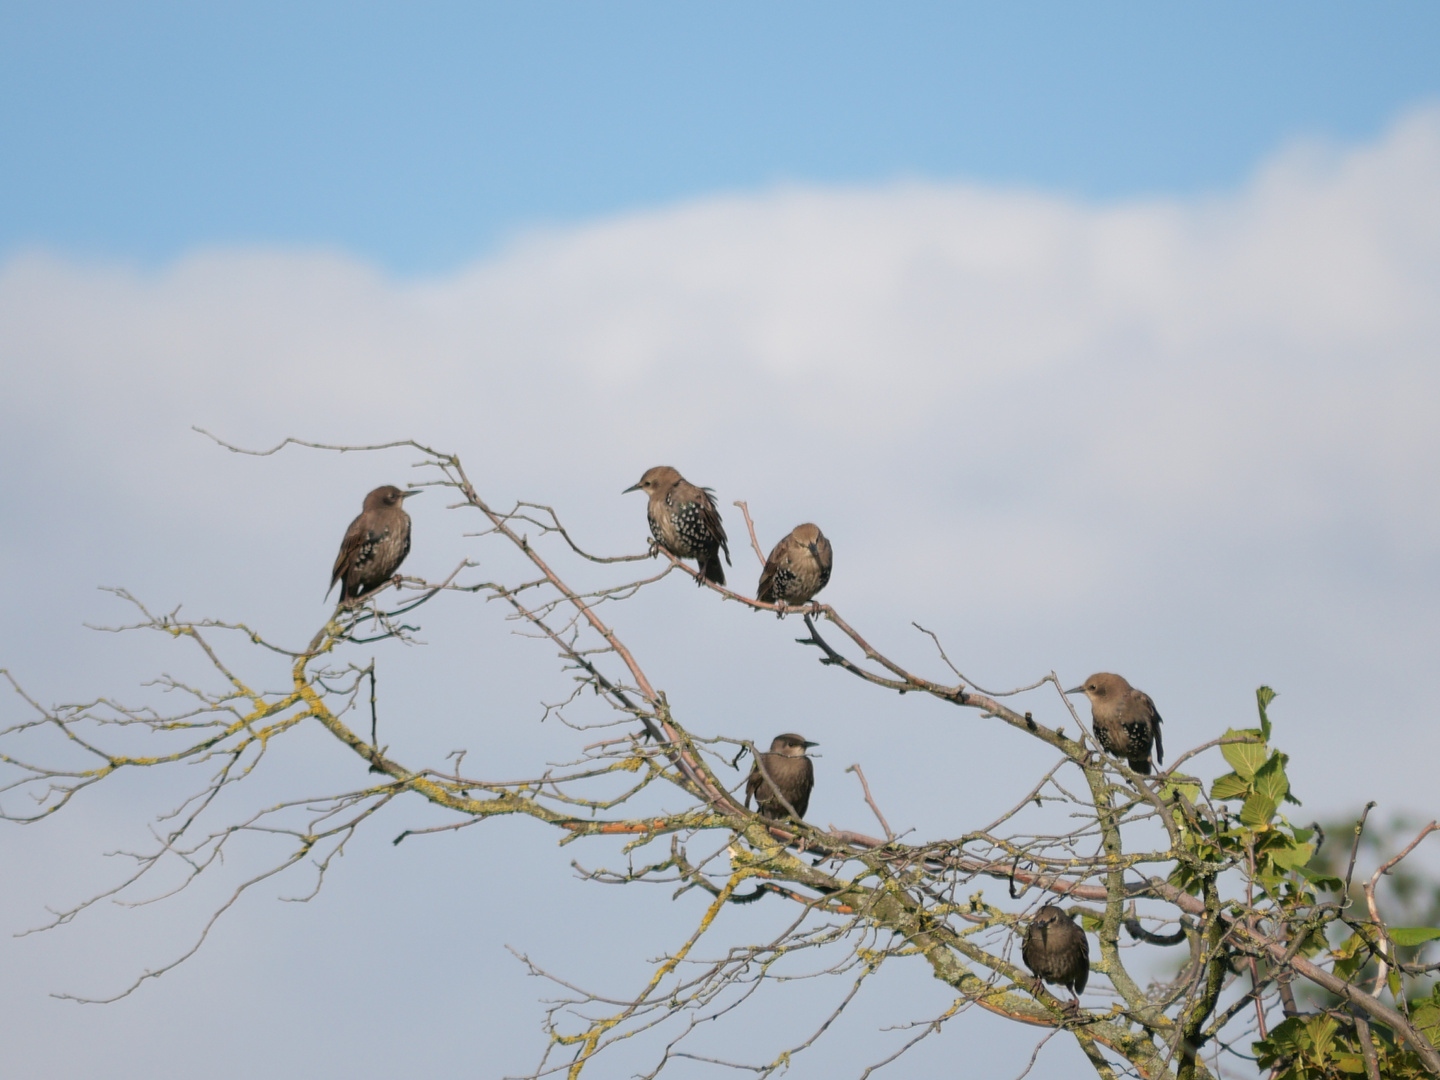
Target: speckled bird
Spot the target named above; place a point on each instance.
(798, 567)
(684, 521)
(788, 772)
(375, 544)
(1056, 950)
(1125, 719)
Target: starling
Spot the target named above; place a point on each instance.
(684, 521)
(1125, 719)
(798, 568)
(788, 773)
(375, 544)
(1055, 950)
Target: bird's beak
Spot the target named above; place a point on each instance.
(1077, 690)
(814, 550)
(810, 744)
(412, 491)
(632, 487)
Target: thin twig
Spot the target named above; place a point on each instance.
(754, 541)
(889, 835)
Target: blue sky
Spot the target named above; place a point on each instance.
(417, 136)
(1051, 303)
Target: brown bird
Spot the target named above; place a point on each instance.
(1056, 950)
(684, 521)
(782, 775)
(1126, 722)
(798, 568)
(375, 544)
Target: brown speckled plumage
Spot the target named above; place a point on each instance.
(375, 544)
(684, 521)
(786, 770)
(1126, 720)
(1056, 950)
(798, 567)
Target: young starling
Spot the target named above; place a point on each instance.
(1055, 950)
(684, 521)
(790, 773)
(798, 568)
(1125, 719)
(375, 544)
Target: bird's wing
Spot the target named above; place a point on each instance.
(766, 593)
(349, 548)
(826, 555)
(1155, 722)
(711, 516)
(752, 785)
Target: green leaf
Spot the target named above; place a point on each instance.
(1244, 757)
(1182, 877)
(1426, 1017)
(1348, 966)
(1285, 1040)
(1259, 808)
(1295, 856)
(1188, 792)
(1263, 697)
(1322, 1034)
(1319, 880)
(1412, 935)
(1229, 786)
(1270, 778)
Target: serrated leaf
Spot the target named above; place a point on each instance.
(1263, 697)
(1319, 880)
(1244, 757)
(1426, 1017)
(1412, 935)
(1229, 786)
(1349, 965)
(1292, 858)
(1322, 1034)
(1270, 778)
(1259, 808)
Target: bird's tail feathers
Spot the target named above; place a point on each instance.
(713, 571)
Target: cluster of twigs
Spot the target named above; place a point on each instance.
(1148, 863)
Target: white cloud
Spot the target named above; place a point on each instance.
(1194, 440)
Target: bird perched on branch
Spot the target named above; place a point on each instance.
(1056, 951)
(798, 567)
(1125, 719)
(782, 775)
(684, 521)
(375, 544)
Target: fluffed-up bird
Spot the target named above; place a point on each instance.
(684, 521)
(783, 771)
(798, 567)
(375, 544)
(1125, 719)
(1056, 951)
